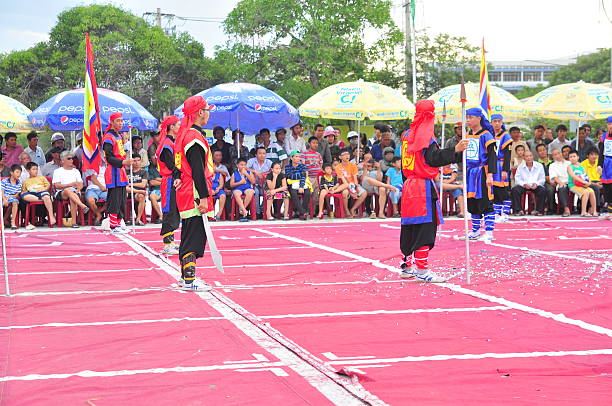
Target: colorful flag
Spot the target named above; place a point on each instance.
(484, 84)
(91, 114)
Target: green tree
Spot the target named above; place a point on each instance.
(297, 47)
(591, 68)
(529, 91)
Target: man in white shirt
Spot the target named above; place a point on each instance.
(36, 153)
(529, 177)
(560, 141)
(24, 159)
(557, 173)
(68, 184)
(295, 142)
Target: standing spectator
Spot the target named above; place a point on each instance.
(274, 152)
(314, 164)
(517, 139)
(353, 139)
(138, 149)
(11, 149)
(155, 181)
(385, 141)
(299, 184)
(542, 154)
(11, 189)
(237, 150)
(538, 138)
(558, 175)
(24, 159)
(57, 141)
(593, 172)
(347, 174)
(224, 147)
(579, 185)
(153, 144)
(375, 139)
(452, 142)
(95, 192)
(335, 146)
(242, 187)
(328, 184)
(259, 166)
(68, 184)
(294, 141)
(529, 177)
(582, 144)
(519, 157)
(605, 161)
(276, 189)
(281, 137)
(78, 151)
(36, 189)
(54, 163)
(394, 178)
(139, 180)
(324, 147)
(561, 139)
(36, 153)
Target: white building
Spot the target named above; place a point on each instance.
(515, 75)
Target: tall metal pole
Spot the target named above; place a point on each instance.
(442, 146)
(414, 85)
(465, 219)
(4, 259)
(410, 50)
(132, 181)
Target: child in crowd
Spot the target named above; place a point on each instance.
(140, 179)
(276, 189)
(579, 185)
(328, 184)
(36, 189)
(300, 187)
(218, 181)
(347, 174)
(11, 188)
(449, 179)
(593, 172)
(395, 178)
(241, 183)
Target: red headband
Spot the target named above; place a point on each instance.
(163, 131)
(191, 107)
(112, 118)
(422, 127)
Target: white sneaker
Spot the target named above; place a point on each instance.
(196, 286)
(472, 236)
(407, 271)
(487, 236)
(505, 218)
(170, 249)
(498, 218)
(119, 230)
(430, 277)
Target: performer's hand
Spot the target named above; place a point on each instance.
(301, 191)
(461, 145)
(177, 183)
(504, 175)
(489, 179)
(203, 206)
(127, 162)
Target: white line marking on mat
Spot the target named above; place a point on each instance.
(115, 254)
(81, 271)
(549, 253)
(557, 317)
(371, 312)
(113, 323)
(281, 264)
(91, 292)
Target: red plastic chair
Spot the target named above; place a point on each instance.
(252, 209)
(530, 197)
(448, 204)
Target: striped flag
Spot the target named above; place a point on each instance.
(91, 114)
(484, 84)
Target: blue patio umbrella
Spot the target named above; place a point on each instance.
(247, 107)
(64, 111)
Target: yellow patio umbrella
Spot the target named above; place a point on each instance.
(14, 115)
(572, 101)
(357, 101)
(502, 102)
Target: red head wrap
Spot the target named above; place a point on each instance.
(163, 131)
(422, 128)
(191, 107)
(112, 118)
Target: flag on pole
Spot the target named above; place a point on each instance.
(484, 84)
(91, 114)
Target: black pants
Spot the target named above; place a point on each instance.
(193, 237)
(608, 195)
(500, 193)
(116, 201)
(563, 194)
(551, 191)
(171, 219)
(300, 202)
(517, 194)
(598, 201)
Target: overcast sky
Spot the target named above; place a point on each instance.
(513, 30)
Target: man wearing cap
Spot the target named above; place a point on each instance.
(168, 171)
(501, 179)
(36, 153)
(115, 176)
(54, 163)
(295, 142)
(323, 147)
(193, 158)
(605, 162)
(452, 142)
(57, 140)
(353, 139)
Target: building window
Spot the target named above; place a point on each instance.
(512, 76)
(546, 75)
(494, 76)
(532, 76)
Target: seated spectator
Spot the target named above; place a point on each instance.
(328, 184)
(542, 152)
(516, 161)
(335, 145)
(68, 183)
(385, 142)
(5, 171)
(529, 177)
(593, 172)
(140, 179)
(259, 166)
(395, 179)
(36, 153)
(241, 183)
(276, 189)
(237, 150)
(579, 185)
(57, 141)
(300, 187)
(24, 159)
(387, 162)
(347, 174)
(155, 180)
(138, 149)
(281, 137)
(274, 152)
(582, 144)
(53, 164)
(11, 149)
(542, 157)
(221, 145)
(565, 151)
(561, 139)
(218, 191)
(372, 181)
(313, 160)
(451, 185)
(95, 192)
(11, 189)
(37, 189)
(558, 175)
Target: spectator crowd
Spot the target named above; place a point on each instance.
(287, 175)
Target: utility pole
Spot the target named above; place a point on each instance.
(410, 51)
(407, 47)
(158, 17)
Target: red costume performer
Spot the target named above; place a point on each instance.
(115, 176)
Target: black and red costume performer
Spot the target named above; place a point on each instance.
(169, 172)
(115, 176)
(194, 159)
(420, 205)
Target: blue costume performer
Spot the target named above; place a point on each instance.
(605, 156)
(481, 163)
(501, 179)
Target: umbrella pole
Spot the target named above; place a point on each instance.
(441, 168)
(358, 141)
(4, 260)
(238, 134)
(132, 183)
(72, 140)
(464, 197)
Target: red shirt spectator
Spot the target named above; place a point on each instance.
(312, 159)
